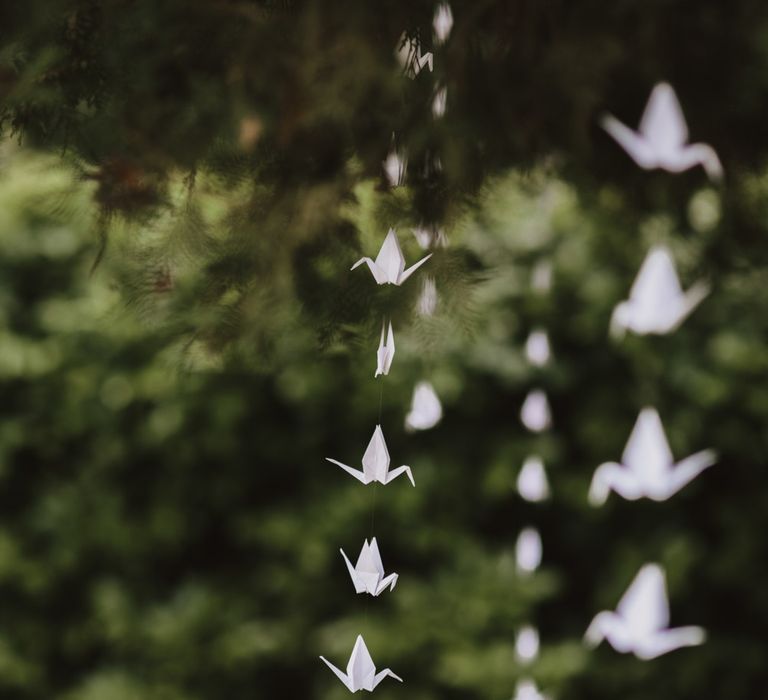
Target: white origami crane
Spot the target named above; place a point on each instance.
(389, 266)
(537, 350)
(526, 689)
(661, 141)
(535, 413)
(657, 303)
(430, 237)
(526, 644)
(648, 468)
(541, 277)
(386, 351)
(532, 484)
(640, 622)
(376, 463)
(528, 551)
(427, 301)
(361, 673)
(442, 22)
(409, 56)
(368, 574)
(395, 167)
(426, 410)
(439, 102)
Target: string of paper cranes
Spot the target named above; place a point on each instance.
(656, 304)
(368, 576)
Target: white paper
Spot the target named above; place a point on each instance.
(527, 644)
(537, 350)
(541, 277)
(430, 237)
(661, 141)
(647, 466)
(376, 463)
(527, 690)
(442, 22)
(532, 483)
(657, 303)
(361, 673)
(426, 304)
(426, 409)
(386, 350)
(639, 624)
(410, 57)
(368, 574)
(535, 412)
(528, 551)
(395, 167)
(389, 266)
(439, 101)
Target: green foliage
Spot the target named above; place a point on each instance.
(182, 343)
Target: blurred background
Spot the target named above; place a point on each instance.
(183, 189)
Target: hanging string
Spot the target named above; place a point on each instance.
(376, 483)
(373, 501)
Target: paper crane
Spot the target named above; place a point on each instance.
(395, 166)
(657, 303)
(527, 689)
(537, 350)
(410, 57)
(535, 412)
(426, 304)
(442, 22)
(386, 352)
(389, 266)
(368, 574)
(661, 141)
(439, 101)
(526, 644)
(532, 483)
(648, 468)
(640, 622)
(426, 410)
(528, 551)
(430, 237)
(361, 673)
(376, 463)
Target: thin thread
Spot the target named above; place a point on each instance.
(373, 505)
(375, 483)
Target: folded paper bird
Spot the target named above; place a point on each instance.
(426, 410)
(537, 350)
(661, 141)
(647, 466)
(657, 303)
(535, 412)
(395, 167)
(410, 57)
(532, 483)
(430, 237)
(526, 644)
(527, 689)
(389, 266)
(361, 673)
(442, 22)
(639, 624)
(528, 551)
(368, 574)
(439, 101)
(376, 463)
(426, 304)
(386, 351)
